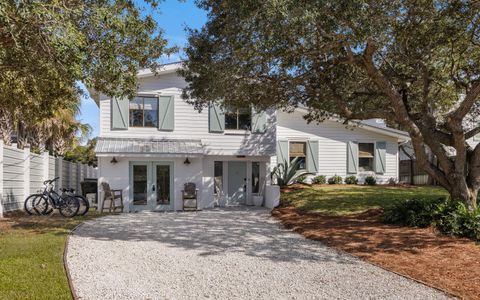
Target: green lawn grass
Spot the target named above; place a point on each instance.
(31, 256)
(349, 199)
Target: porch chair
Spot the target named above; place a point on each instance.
(112, 196)
(189, 196)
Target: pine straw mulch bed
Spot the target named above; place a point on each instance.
(448, 263)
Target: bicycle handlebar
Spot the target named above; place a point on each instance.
(51, 180)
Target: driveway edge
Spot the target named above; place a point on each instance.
(65, 266)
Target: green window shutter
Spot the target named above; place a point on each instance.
(352, 157)
(216, 118)
(312, 156)
(119, 113)
(380, 157)
(259, 121)
(282, 152)
(166, 113)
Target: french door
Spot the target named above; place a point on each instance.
(151, 185)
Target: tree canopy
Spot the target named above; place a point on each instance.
(47, 47)
(415, 64)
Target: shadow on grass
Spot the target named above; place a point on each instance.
(348, 199)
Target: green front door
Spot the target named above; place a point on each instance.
(151, 185)
(237, 182)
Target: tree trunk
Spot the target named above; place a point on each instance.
(464, 194)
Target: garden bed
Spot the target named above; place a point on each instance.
(449, 263)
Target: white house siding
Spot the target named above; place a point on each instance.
(333, 138)
(190, 124)
(200, 171)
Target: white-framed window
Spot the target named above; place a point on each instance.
(298, 149)
(143, 111)
(238, 119)
(218, 177)
(255, 177)
(366, 156)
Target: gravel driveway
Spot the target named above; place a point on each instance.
(219, 254)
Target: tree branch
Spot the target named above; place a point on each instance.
(472, 133)
(467, 103)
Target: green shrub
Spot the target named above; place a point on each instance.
(301, 179)
(335, 180)
(370, 180)
(321, 179)
(414, 212)
(449, 217)
(351, 179)
(454, 218)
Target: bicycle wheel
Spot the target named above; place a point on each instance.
(36, 204)
(69, 206)
(84, 205)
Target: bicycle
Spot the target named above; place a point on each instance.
(84, 204)
(39, 204)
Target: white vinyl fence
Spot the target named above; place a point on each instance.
(22, 173)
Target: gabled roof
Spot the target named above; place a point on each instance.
(402, 136)
(163, 69)
(144, 73)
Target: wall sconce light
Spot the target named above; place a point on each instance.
(114, 160)
(187, 161)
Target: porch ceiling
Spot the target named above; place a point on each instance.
(115, 146)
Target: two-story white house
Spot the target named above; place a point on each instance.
(150, 146)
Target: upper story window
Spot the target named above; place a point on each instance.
(143, 112)
(366, 155)
(299, 149)
(238, 119)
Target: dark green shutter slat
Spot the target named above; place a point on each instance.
(216, 118)
(119, 114)
(312, 156)
(380, 157)
(166, 113)
(352, 157)
(282, 152)
(259, 121)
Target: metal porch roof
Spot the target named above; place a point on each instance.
(148, 146)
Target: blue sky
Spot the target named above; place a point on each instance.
(173, 17)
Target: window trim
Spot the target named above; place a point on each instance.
(237, 130)
(373, 158)
(259, 177)
(306, 150)
(143, 96)
(216, 193)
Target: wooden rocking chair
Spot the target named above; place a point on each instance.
(112, 196)
(189, 196)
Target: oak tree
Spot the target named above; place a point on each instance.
(415, 64)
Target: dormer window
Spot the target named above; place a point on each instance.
(238, 119)
(143, 112)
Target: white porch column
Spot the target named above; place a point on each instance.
(26, 171)
(1, 178)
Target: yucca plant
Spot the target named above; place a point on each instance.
(285, 173)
